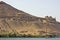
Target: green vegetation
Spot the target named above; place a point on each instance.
(50, 36)
(24, 35)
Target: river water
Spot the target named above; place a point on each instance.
(29, 38)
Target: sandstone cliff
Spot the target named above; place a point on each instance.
(16, 21)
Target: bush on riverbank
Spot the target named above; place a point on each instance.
(24, 35)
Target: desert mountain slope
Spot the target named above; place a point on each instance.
(16, 21)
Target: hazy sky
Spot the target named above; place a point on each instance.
(38, 8)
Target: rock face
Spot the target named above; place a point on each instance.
(16, 21)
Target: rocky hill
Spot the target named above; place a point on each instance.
(14, 21)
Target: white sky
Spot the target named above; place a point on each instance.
(38, 8)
